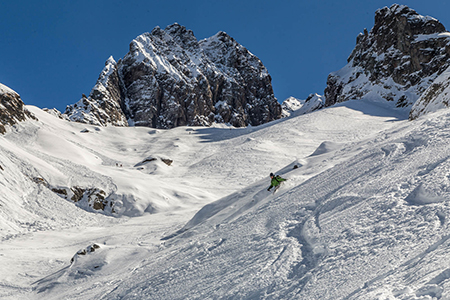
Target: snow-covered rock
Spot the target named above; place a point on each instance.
(170, 79)
(290, 105)
(12, 109)
(102, 107)
(434, 98)
(396, 61)
(312, 103)
(300, 107)
(56, 113)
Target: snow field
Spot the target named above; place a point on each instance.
(362, 216)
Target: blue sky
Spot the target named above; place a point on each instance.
(53, 51)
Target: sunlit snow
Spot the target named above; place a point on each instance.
(363, 214)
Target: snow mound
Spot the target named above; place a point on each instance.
(422, 196)
(326, 147)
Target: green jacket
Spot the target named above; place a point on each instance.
(276, 180)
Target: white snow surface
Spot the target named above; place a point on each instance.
(6, 90)
(362, 215)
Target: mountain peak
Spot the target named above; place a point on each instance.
(396, 61)
(170, 79)
(177, 29)
(404, 21)
(397, 10)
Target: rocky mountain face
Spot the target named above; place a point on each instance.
(435, 97)
(12, 108)
(169, 79)
(398, 60)
(103, 106)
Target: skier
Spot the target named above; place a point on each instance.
(275, 182)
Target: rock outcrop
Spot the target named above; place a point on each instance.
(312, 103)
(12, 109)
(170, 79)
(396, 61)
(103, 106)
(290, 105)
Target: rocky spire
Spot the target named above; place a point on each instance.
(103, 106)
(396, 61)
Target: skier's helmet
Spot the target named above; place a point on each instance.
(271, 174)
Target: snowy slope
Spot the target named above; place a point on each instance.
(372, 224)
(208, 163)
(362, 216)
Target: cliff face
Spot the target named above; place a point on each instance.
(12, 108)
(397, 60)
(169, 79)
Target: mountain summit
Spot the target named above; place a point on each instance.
(169, 78)
(397, 60)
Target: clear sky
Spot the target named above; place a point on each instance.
(52, 51)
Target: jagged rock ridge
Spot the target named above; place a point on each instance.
(12, 108)
(397, 60)
(169, 79)
(103, 106)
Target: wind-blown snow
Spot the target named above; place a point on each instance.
(363, 214)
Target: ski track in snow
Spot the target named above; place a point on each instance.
(363, 215)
